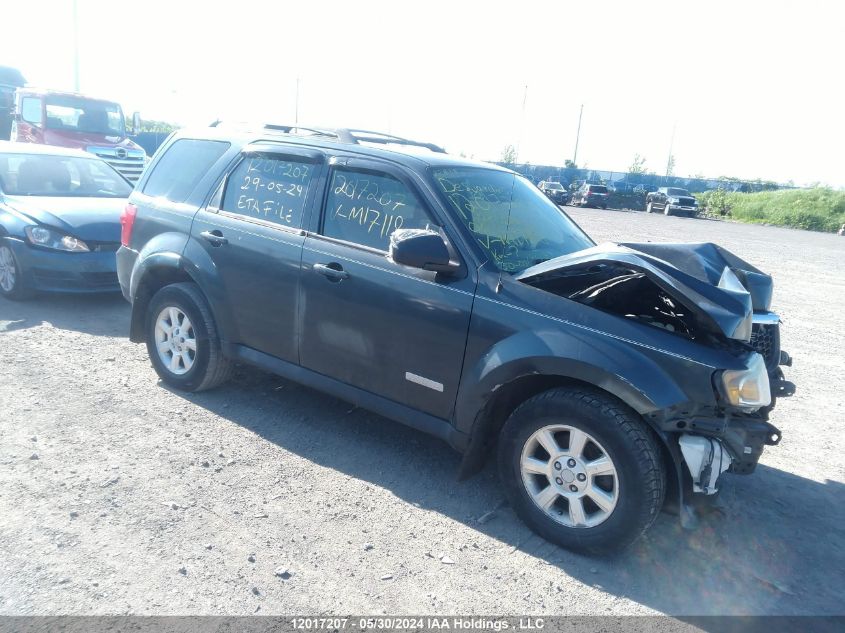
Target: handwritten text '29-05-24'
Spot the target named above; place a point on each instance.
(270, 189)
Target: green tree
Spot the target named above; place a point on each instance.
(638, 165)
(509, 155)
(157, 126)
(569, 164)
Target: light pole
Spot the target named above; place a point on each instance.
(75, 49)
(671, 146)
(521, 125)
(577, 136)
(296, 111)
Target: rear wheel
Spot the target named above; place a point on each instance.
(182, 339)
(12, 282)
(582, 470)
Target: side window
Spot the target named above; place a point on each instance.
(269, 188)
(31, 110)
(366, 207)
(181, 168)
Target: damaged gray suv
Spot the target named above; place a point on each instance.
(454, 297)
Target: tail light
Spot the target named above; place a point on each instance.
(127, 222)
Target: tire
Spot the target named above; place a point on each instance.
(666, 210)
(194, 343)
(604, 207)
(649, 208)
(631, 495)
(12, 278)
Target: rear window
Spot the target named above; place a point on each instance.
(180, 169)
(598, 189)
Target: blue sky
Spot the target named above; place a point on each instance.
(753, 89)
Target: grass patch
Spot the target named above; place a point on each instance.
(818, 209)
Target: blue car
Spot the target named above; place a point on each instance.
(59, 220)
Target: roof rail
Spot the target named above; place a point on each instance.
(368, 136)
(345, 135)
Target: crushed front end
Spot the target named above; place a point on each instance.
(703, 294)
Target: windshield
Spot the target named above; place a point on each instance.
(44, 175)
(598, 189)
(84, 115)
(513, 221)
(553, 185)
(672, 191)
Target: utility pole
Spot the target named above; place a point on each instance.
(671, 146)
(578, 136)
(521, 125)
(296, 111)
(75, 49)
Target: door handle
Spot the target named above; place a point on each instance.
(215, 237)
(333, 271)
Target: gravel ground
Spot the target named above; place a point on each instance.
(119, 496)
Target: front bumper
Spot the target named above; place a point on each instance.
(56, 271)
(675, 208)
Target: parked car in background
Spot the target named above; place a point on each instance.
(68, 119)
(588, 195)
(455, 297)
(671, 201)
(59, 220)
(555, 191)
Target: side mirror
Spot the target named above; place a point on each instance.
(421, 248)
(136, 122)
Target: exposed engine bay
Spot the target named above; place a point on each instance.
(623, 290)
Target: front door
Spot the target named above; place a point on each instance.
(392, 330)
(252, 232)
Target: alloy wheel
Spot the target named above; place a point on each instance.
(570, 476)
(175, 340)
(8, 269)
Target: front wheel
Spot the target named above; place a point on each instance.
(182, 339)
(649, 208)
(12, 282)
(582, 470)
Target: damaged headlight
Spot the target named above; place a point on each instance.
(748, 388)
(48, 238)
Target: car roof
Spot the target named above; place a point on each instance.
(11, 147)
(409, 155)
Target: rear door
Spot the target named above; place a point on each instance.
(392, 330)
(252, 232)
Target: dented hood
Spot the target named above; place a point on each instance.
(718, 288)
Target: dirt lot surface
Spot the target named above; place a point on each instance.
(119, 496)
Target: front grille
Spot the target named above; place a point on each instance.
(100, 279)
(131, 164)
(104, 247)
(93, 280)
(765, 339)
(686, 202)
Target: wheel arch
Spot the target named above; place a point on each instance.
(151, 275)
(516, 376)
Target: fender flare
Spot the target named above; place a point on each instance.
(622, 371)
